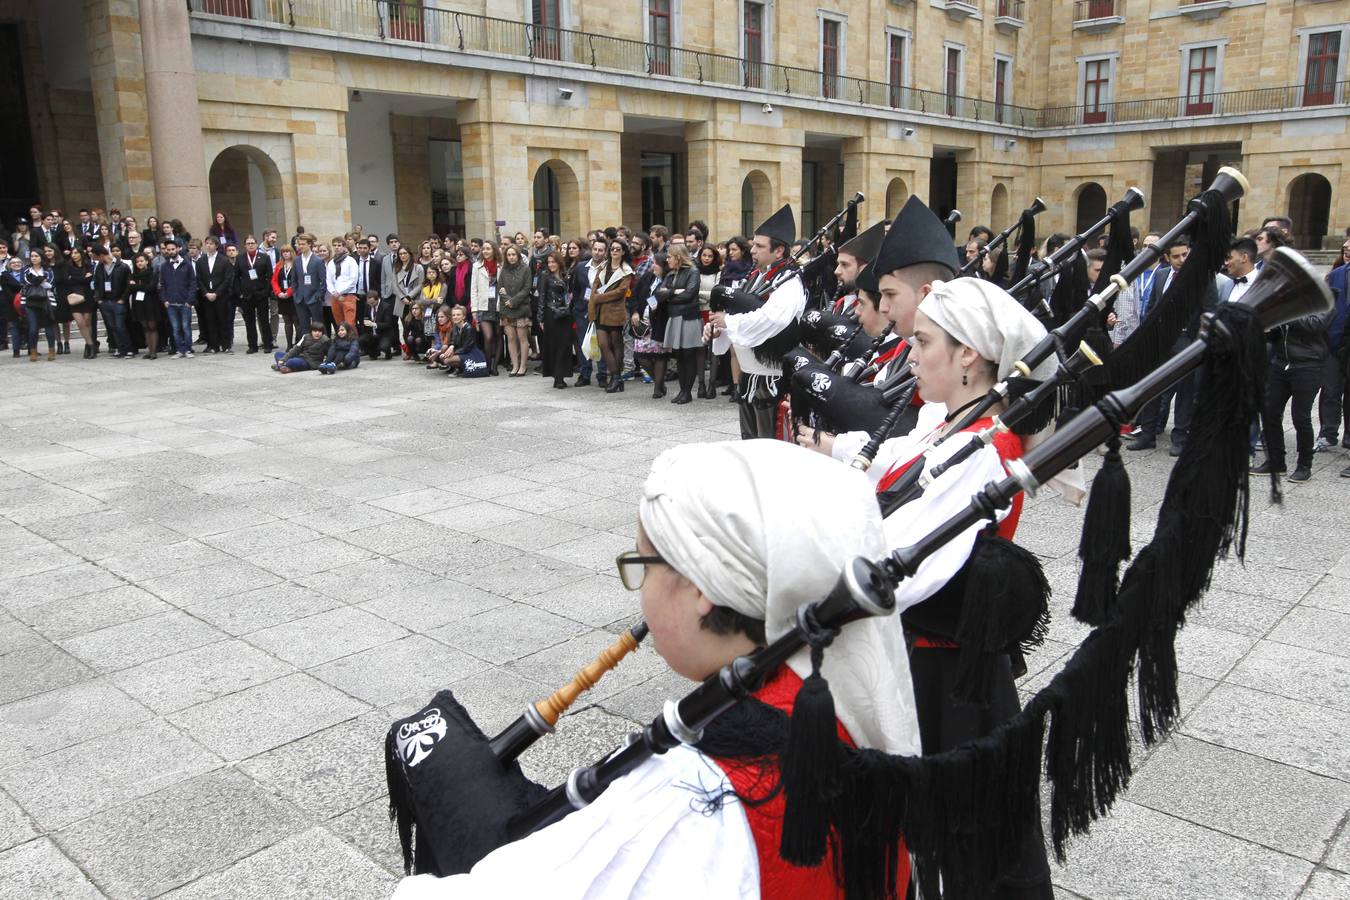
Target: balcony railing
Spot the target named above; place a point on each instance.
(472, 33)
(1230, 103)
(1011, 9)
(392, 20)
(1085, 10)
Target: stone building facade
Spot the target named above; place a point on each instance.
(474, 117)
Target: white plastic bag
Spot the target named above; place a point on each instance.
(591, 344)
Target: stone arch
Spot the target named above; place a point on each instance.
(756, 200)
(998, 207)
(1090, 204)
(1309, 206)
(556, 198)
(246, 185)
(897, 192)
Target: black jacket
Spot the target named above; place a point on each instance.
(116, 276)
(553, 300)
(1303, 342)
(258, 288)
(217, 279)
(679, 291)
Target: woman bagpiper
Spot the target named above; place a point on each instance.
(722, 564)
(967, 334)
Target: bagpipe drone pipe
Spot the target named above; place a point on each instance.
(961, 813)
(1025, 225)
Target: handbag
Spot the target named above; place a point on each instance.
(74, 299)
(591, 344)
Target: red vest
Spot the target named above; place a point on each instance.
(779, 880)
(1008, 446)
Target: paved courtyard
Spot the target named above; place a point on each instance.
(220, 585)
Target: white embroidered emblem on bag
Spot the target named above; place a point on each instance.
(415, 740)
(820, 383)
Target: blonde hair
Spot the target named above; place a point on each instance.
(677, 257)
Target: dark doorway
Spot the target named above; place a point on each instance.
(659, 200)
(942, 186)
(1091, 206)
(1310, 208)
(19, 188)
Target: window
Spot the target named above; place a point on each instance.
(546, 37)
(1202, 77)
(810, 180)
(1002, 88)
(952, 78)
(659, 203)
(447, 187)
(547, 202)
(1096, 90)
(753, 38)
(896, 51)
(1319, 78)
(658, 31)
(405, 20)
(830, 51)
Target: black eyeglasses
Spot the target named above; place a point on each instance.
(627, 560)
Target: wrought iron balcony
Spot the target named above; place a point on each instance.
(1095, 16)
(1010, 15)
(1206, 106)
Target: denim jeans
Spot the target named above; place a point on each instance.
(18, 335)
(115, 314)
(34, 320)
(180, 326)
(294, 363)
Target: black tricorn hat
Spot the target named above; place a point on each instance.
(917, 236)
(864, 247)
(781, 226)
(867, 279)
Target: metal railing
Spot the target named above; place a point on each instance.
(397, 20)
(1011, 9)
(472, 33)
(1230, 103)
(1086, 10)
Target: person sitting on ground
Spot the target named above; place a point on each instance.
(305, 355)
(462, 355)
(344, 352)
(440, 341)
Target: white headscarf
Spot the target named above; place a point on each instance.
(988, 320)
(764, 526)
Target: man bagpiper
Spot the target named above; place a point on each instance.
(760, 323)
(853, 256)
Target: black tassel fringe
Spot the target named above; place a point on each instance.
(1105, 541)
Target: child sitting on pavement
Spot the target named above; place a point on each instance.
(305, 355)
(344, 352)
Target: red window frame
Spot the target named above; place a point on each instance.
(953, 78)
(1200, 99)
(405, 20)
(547, 31)
(1096, 88)
(753, 12)
(895, 62)
(658, 30)
(239, 9)
(830, 31)
(1101, 9)
(1319, 76)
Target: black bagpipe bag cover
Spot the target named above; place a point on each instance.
(447, 787)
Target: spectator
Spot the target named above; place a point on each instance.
(513, 284)
(460, 279)
(647, 317)
(305, 356)
(1298, 352)
(579, 286)
(11, 304)
(283, 293)
(112, 284)
(368, 272)
(38, 304)
(483, 299)
(68, 238)
(20, 242)
(178, 293)
(310, 283)
(143, 290)
(215, 288)
(341, 275)
(420, 322)
(684, 325)
(74, 282)
(709, 275)
(1130, 303)
(1333, 411)
(344, 352)
(151, 234)
(255, 293)
(441, 340)
(610, 285)
(556, 310)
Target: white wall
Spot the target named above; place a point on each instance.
(370, 163)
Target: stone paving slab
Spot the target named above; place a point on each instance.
(204, 633)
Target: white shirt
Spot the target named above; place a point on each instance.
(1241, 287)
(745, 331)
(652, 833)
(342, 277)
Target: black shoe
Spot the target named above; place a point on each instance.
(1345, 473)
(1300, 473)
(702, 391)
(559, 385)
(682, 398)
(1143, 442)
(615, 386)
(1175, 450)
(582, 381)
(251, 350)
(659, 392)
(1266, 468)
(88, 351)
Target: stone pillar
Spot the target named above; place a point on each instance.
(117, 76)
(176, 147)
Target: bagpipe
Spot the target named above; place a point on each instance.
(1031, 410)
(960, 812)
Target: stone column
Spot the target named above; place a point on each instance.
(176, 148)
(118, 80)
